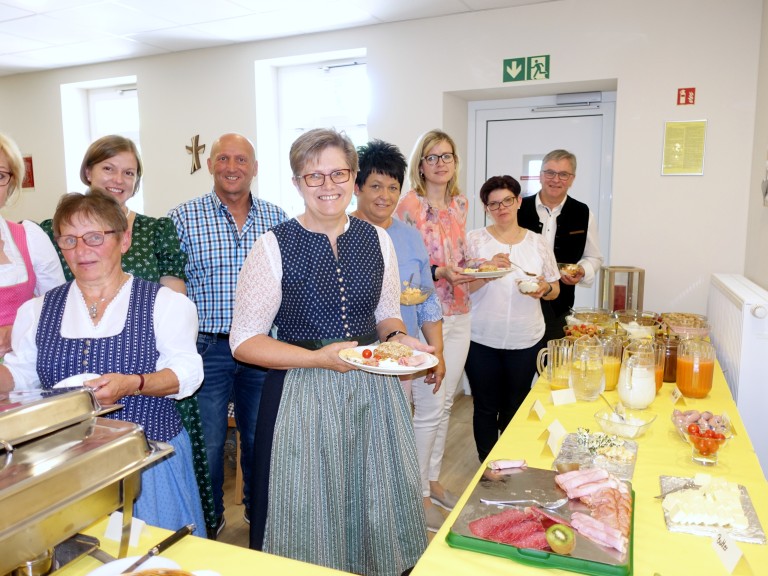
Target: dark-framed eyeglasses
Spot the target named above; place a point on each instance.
(95, 238)
(550, 175)
(432, 159)
(5, 177)
(315, 179)
(507, 202)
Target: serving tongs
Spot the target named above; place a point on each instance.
(548, 505)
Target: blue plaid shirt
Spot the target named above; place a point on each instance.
(216, 251)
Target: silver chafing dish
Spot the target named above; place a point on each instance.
(62, 467)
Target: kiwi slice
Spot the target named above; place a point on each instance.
(560, 538)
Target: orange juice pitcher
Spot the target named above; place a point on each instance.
(695, 367)
(554, 362)
(612, 348)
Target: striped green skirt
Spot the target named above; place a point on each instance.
(344, 487)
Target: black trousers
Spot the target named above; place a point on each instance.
(555, 323)
(500, 380)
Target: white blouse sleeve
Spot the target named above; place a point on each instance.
(259, 291)
(45, 260)
(389, 300)
(22, 360)
(175, 323)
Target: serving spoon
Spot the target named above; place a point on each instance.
(618, 409)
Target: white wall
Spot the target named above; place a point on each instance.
(756, 266)
(680, 229)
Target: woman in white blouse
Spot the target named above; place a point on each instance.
(132, 340)
(29, 265)
(507, 325)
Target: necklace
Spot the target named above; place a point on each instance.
(93, 309)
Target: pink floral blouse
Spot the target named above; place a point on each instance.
(444, 234)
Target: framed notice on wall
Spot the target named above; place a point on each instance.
(684, 148)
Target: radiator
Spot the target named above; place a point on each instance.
(738, 313)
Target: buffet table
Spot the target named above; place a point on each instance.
(193, 554)
(661, 451)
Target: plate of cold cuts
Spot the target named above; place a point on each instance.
(388, 358)
(602, 535)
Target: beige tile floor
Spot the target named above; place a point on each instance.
(459, 466)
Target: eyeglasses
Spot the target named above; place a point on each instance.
(550, 175)
(507, 202)
(316, 179)
(5, 178)
(432, 159)
(95, 238)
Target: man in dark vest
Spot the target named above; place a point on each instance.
(569, 227)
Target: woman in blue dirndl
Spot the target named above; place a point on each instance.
(339, 480)
(137, 335)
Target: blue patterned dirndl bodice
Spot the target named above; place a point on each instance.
(132, 351)
(325, 297)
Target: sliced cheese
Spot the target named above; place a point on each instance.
(716, 503)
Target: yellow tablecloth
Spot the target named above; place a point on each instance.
(660, 452)
(194, 553)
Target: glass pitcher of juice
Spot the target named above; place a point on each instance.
(587, 376)
(695, 367)
(612, 348)
(554, 362)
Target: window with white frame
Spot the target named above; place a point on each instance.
(95, 109)
(328, 93)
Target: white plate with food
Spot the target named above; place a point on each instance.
(498, 273)
(76, 381)
(388, 358)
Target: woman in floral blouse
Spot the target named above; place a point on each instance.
(113, 164)
(438, 209)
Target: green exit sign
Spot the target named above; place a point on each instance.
(526, 68)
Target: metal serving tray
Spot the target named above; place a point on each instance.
(526, 483)
(27, 414)
(68, 475)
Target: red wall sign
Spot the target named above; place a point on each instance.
(686, 96)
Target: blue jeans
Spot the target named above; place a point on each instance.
(225, 379)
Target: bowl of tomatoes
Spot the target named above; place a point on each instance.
(705, 444)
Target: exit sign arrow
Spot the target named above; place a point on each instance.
(514, 70)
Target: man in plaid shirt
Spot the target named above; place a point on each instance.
(217, 232)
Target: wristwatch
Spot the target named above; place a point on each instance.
(434, 272)
(547, 292)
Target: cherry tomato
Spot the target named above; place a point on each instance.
(693, 429)
(367, 353)
(709, 433)
(719, 436)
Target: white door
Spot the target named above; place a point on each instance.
(513, 137)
